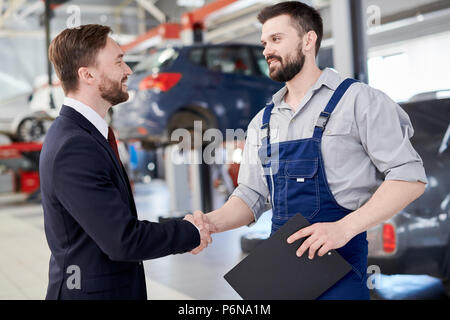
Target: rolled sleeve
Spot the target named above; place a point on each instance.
(385, 131)
(412, 172)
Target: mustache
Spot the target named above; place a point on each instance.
(273, 57)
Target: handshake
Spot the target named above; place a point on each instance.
(203, 223)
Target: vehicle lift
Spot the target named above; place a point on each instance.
(189, 185)
(29, 178)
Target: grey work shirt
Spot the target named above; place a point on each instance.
(365, 142)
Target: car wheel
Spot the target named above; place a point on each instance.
(30, 129)
(185, 120)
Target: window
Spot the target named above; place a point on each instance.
(411, 67)
(195, 56)
(155, 62)
(381, 67)
(234, 60)
(261, 61)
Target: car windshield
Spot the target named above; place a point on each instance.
(11, 87)
(431, 123)
(157, 61)
(261, 61)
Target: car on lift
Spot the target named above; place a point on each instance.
(25, 112)
(15, 97)
(221, 85)
(417, 240)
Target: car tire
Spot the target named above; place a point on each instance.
(30, 129)
(185, 120)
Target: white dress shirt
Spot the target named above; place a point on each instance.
(89, 113)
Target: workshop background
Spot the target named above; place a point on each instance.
(200, 60)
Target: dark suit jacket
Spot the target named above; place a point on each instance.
(90, 218)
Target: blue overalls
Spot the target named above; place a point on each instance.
(297, 183)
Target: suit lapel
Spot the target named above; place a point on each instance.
(83, 122)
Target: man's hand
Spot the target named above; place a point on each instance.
(202, 222)
(322, 236)
(233, 214)
(202, 219)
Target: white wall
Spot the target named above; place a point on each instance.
(404, 69)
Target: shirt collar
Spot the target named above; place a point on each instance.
(89, 113)
(329, 77)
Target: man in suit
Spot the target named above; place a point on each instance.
(97, 243)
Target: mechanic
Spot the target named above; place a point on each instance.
(333, 149)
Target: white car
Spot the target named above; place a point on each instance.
(25, 114)
(14, 105)
(40, 101)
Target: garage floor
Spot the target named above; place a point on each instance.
(25, 254)
(24, 257)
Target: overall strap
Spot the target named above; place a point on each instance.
(265, 128)
(325, 114)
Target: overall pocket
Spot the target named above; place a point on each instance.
(302, 188)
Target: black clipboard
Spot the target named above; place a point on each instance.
(272, 271)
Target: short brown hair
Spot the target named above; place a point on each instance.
(74, 48)
(305, 18)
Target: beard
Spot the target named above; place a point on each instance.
(289, 69)
(112, 91)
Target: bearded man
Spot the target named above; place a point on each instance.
(333, 149)
(97, 243)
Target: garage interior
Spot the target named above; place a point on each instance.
(400, 47)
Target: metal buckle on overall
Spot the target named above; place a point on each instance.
(323, 120)
(265, 131)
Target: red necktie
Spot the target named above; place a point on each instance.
(112, 142)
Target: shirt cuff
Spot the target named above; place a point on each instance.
(413, 172)
(198, 231)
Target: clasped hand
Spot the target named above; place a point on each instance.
(201, 221)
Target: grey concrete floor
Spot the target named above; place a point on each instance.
(24, 253)
(24, 256)
(198, 276)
